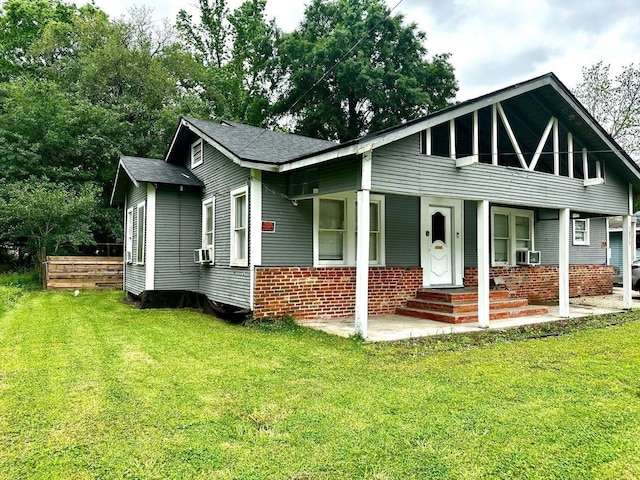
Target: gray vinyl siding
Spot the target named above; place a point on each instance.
(135, 274)
(340, 176)
(592, 254)
(292, 242)
(399, 167)
(221, 282)
(470, 234)
(546, 241)
(178, 233)
(402, 231)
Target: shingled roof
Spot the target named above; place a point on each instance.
(151, 170)
(258, 144)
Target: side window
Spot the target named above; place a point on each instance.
(335, 230)
(129, 239)
(331, 230)
(196, 153)
(581, 231)
(239, 231)
(511, 231)
(208, 224)
(140, 234)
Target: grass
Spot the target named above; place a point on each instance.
(93, 388)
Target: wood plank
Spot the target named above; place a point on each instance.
(84, 272)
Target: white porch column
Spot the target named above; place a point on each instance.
(362, 253)
(563, 263)
(483, 263)
(628, 252)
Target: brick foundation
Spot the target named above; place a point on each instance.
(539, 284)
(308, 293)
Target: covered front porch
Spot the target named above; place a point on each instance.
(392, 327)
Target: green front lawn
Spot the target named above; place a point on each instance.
(93, 388)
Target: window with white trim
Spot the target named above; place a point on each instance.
(332, 230)
(140, 227)
(239, 230)
(581, 231)
(208, 224)
(196, 153)
(335, 230)
(129, 238)
(511, 230)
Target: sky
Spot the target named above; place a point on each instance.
(493, 43)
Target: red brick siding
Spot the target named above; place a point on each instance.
(540, 283)
(308, 293)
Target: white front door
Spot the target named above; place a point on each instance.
(440, 248)
(442, 242)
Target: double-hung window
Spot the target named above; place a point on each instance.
(581, 231)
(331, 230)
(129, 239)
(140, 227)
(208, 225)
(512, 230)
(239, 230)
(335, 230)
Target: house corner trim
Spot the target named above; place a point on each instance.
(150, 251)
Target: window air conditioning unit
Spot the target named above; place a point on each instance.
(527, 257)
(202, 255)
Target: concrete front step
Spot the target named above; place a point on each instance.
(470, 317)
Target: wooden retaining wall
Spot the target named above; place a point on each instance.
(84, 273)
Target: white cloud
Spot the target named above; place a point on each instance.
(493, 43)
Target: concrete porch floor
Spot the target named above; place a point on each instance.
(398, 327)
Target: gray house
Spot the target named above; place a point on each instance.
(514, 186)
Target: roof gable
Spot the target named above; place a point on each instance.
(139, 170)
(546, 93)
(247, 144)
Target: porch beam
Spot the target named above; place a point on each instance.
(512, 137)
(476, 136)
(570, 153)
(483, 241)
(556, 148)
(494, 134)
(543, 141)
(452, 138)
(563, 263)
(362, 249)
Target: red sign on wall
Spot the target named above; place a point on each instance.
(269, 227)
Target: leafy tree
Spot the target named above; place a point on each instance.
(354, 68)
(45, 131)
(37, 214)
(25, 27)
(239, 51)
(614, 102)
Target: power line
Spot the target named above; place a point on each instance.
(333, 67)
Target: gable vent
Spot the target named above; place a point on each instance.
(196, 153)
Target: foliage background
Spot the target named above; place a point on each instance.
(78, 89)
